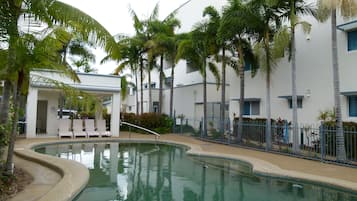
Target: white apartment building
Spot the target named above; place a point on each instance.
(314, 77)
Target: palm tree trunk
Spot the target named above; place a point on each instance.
(141, 86)
(136, 93)
(241, 98)
(172, 91)
(13, 36)
(4, 106)
(16, 101)
(268, 108)
(150, 92)
(340, 141)
(204, 101)
(161, 82)
(223, 93)
(10, 152)
(296, 148)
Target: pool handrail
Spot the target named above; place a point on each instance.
(141, 128)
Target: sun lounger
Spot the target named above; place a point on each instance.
(64, 130)
(101, 129)
(78, 128)
(90, 129)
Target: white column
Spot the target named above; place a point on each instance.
(114, 149)
(31, 112)
(115, 117)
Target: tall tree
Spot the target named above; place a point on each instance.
(52, 13)
(235, 29)
(144, 34)
(214, 24)
(130, 54)
(347, 9)
(171, 55)
(33, 53)
(292, 11)
(163, 37)
(266, 22)
(197, 49)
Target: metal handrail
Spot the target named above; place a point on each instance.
(141, 128)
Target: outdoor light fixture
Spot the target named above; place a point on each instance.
(308, 37)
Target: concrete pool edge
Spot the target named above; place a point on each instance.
(74, 176)
(259, 166)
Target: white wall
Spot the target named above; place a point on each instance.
(314, 74)
(52, 98)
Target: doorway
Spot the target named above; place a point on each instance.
(41, 119)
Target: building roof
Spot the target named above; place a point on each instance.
(88, 82)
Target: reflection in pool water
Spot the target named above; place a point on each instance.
(146, 172)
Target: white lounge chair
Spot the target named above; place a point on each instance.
(90, 129)
(102, 130)
(78, 128)
(64, 128)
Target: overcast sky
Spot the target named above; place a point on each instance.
(114, 16)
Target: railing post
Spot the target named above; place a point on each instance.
(129, 132)
(181, 122)
(322, 141)
(201, 126)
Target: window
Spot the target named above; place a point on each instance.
(352, 106)
(352, 40)
(168, 81)
(251, 108)
(299, 103)
(190, 67)
(247, 66)
(153, 85)
(129, 108)
(155, 107)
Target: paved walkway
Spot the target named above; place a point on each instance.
(48, 179)
(44, 180)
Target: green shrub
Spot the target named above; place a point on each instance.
(152, 121)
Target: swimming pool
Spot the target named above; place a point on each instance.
(148, 172)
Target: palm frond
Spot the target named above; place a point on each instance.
(348, 8)
(124, 88)
(306, 27)
(154, 13)
(281, 43)
(323, 12)
(121, 67)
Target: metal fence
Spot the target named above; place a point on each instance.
(317, 142)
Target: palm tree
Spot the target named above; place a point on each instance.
(236, 29)
(197, 49)
(51, 12)
(293, 10)
(163, 38)
(214, 24)
(129, 58)
(32, 53)
(347, 9)
(171, 54)
(143, 35)
(266, 21)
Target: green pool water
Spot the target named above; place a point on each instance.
(146, 172)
